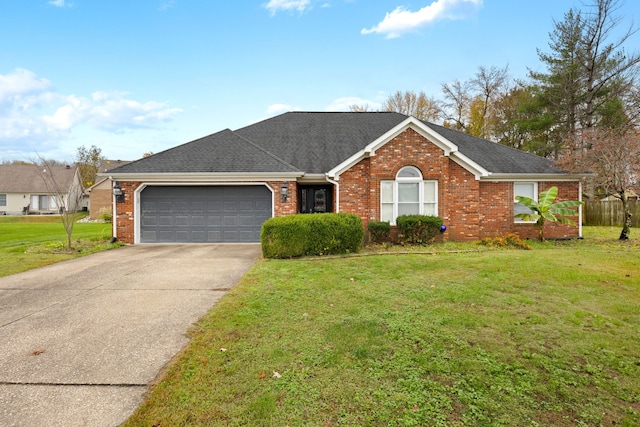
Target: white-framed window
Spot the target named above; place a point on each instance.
(3, 200)
(409, 194)
(525, 189)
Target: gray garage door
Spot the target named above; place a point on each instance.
(203, 214)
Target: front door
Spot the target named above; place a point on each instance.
(315, 198)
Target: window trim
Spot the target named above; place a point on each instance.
(535, 197)
(418, 179)
(3, 200)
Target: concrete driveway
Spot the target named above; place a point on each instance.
(81, 340)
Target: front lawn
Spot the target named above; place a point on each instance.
(28, 242)
(501, 337)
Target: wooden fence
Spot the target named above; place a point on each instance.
(609, 213)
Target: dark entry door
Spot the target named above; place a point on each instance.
(316, 198)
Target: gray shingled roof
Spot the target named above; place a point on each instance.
(318, 142)
(497, 158)
(27, 179)
(315, 143)
(225, 151)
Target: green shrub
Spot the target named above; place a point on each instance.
(418, 229)
(380, 231)
(311, 234)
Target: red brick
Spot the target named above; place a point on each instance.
(471, 209)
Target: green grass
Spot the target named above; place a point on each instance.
(28, 242)
(499, 337)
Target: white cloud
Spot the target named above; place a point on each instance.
(60, 3)
(279, 109)
(343, 104)
(166, 5)
(32, 113)
(274, 6)
(401, 20)
(109, 111)
(17, 87)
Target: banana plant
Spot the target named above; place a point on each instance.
(546, 210)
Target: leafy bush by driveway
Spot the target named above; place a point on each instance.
(311, 234)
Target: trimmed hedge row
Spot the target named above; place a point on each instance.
(311, 235)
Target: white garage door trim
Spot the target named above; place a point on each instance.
(137, 198)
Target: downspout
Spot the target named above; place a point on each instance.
(580, 212)
(337, 192)
(114, 218)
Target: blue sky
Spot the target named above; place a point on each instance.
(137, 76)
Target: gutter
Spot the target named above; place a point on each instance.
(203, 176)
(533, 177)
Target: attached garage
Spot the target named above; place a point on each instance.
(203, 214)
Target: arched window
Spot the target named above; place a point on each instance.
(409, 194)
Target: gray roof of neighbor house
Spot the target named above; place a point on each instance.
(28, 178)
(315, 143)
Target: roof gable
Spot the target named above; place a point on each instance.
(369, 150)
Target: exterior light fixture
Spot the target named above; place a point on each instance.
(118, 193)
(284, 190)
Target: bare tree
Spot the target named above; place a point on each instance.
(363, 108)
(456, 103)
(67, 196)
(413, 104)
(615, 158)
(489, 84)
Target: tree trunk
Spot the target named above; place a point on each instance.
(626, 225)
(540, 231)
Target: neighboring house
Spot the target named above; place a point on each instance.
(630, 192)
(222, 187)
(24, 190)
(101, 193)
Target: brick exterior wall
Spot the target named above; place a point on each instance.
(470, 209)
(124, 224)
(289, 207)
(566, 191)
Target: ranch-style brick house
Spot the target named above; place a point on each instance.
(377, 165)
